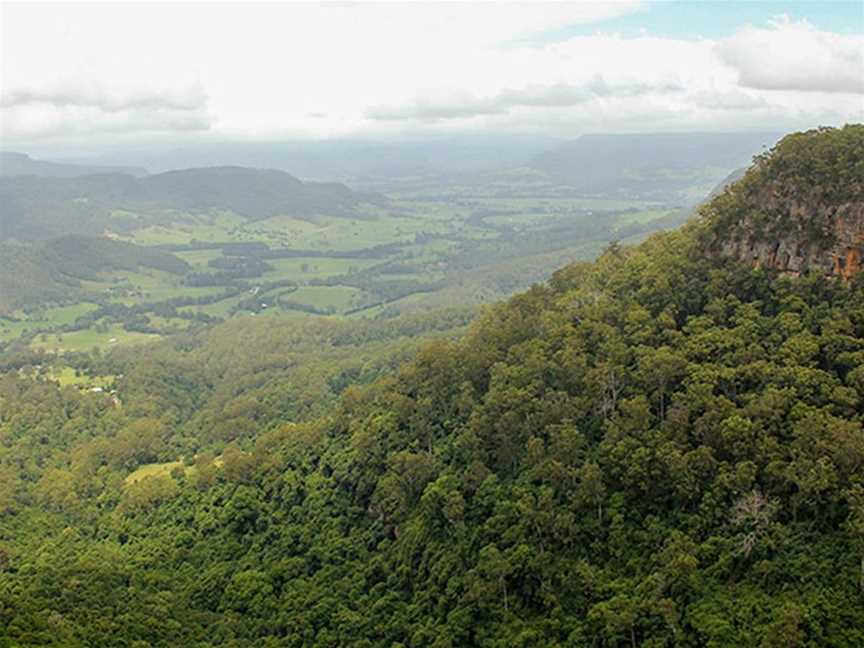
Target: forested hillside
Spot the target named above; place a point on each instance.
(660, 448)
(45, 207)
(52, 271)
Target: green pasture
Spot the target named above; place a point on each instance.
(220, 308)
(153, 470)
(146, 285)
(199, 259)
(43, 319)
(336, 298)
(301, 269)
(66, 376)
(99, 337)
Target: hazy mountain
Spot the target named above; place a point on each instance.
(254, 193)
(730, 179)
(41, 208)
(345, 159)
(21, 164)
(661, 166)
(652, 165)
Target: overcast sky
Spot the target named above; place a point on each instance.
(121, 72)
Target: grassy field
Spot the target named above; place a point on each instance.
(330, 298)
(559, 203)
(304, 268)
(152, 470)
(405, 303)
(169, 324)
(325, 233)
(48, 318)
(199, 259)
(522, 218)
(428, 237)
(146, 285)
(339, 234)
(220, 308)
(187, 228)
(67, 377)
(86, 340)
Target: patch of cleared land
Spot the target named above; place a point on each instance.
(40, 320)
(86, 340)
(332, 298)
(152, 470)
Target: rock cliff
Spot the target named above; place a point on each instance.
(795, 250)
(799, 208)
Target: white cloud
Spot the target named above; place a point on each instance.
(66, 94)
(72, 109)
(559, 95)
(286, 70)
(41, 120)
(792, 55)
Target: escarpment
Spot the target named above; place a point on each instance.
(836, 248)
(799, 209)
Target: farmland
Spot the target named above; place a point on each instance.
(424, 248)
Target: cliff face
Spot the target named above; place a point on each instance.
(795, 250)
(799, 208)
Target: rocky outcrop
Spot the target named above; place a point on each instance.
(798, 209)
(837, 252)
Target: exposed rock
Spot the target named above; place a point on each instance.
(838, 252)
(799, 209)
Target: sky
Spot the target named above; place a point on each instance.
(90, 74)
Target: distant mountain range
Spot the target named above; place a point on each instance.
(649, 165)
(21, 164)
(730, 179)
(678, 167)
(43, 200)
(344, 160)
(36, 208)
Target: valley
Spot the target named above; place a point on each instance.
(437, 419)
(432, 324)
(415, 251)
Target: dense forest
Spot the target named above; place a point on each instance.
(662, 447)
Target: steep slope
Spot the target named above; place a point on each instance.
(28, 278)
(726, 182)
(36, 208)
(799, 209)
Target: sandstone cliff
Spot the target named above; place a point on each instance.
(799, 208)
